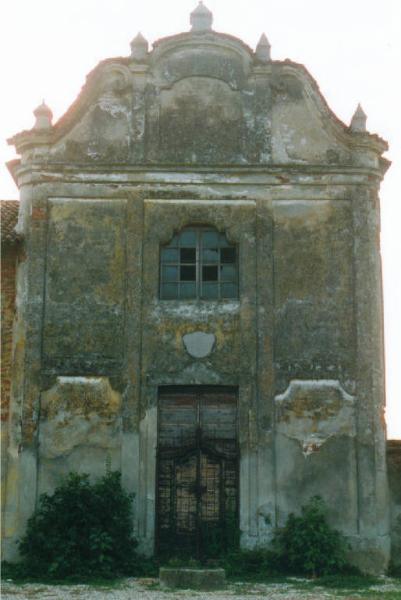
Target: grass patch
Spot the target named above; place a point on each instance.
(259, 578)
(349, 582)
(15, 572)
(346, 586)
(376, 595)
(340, 585)
(362, 585)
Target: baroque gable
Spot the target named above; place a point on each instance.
(200, 98)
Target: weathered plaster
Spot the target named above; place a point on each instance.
(79, 430)
(201, 131)
(312, 412)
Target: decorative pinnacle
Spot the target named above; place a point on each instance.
(201, 18)
(358, 121)
(263, 49)
(139, 47)
(43, 116)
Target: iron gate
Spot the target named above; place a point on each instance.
(197, 471)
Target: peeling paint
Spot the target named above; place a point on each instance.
(203, 135)
(313, 411)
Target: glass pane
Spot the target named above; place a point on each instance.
(170, 274)
(228, 273)
(188, 290)
(223, 243)
(169, 255)
(188, 273)
(229, 290)
(169, 291)
(187, 255)
(210, 290)
(228, 255)
(188, 238)
(209, 273)
(210, 255)
(174, 242)
(210, 239)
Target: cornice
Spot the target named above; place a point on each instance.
(277, 175)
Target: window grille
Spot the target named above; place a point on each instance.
(199, 263)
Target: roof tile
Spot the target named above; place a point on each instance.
(8, 217)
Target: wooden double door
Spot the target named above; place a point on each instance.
(197, 471)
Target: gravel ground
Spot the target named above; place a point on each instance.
(147, 589)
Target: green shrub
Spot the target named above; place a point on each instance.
(189, 563)
(308, 545)
(82, 529)
(394, 570)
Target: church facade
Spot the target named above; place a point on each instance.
(199, 298)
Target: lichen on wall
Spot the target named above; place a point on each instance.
(82, 305)
(202, 131)
(314, 333)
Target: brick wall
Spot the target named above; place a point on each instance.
(8, 271)
(9, 255)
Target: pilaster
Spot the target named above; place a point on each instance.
(373, 547)
(21, 486)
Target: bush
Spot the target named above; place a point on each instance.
(394, 570)
(82, 529)
(308, 545)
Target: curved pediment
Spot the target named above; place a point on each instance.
(200, 98)
(212, 55)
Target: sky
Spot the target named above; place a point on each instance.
(351, 47)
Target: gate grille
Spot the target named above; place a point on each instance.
(197, 472)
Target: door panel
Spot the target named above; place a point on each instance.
(178, 417)
(197, 469)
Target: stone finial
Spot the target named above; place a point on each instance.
(139, 47)
(201, 18)
(263, 49)
(43, 116)
(358, 121)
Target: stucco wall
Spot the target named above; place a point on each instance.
(201, 131)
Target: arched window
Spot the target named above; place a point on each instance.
(200, 263)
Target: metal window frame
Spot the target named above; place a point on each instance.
(199, 264)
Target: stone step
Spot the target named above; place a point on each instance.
(193, 578)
